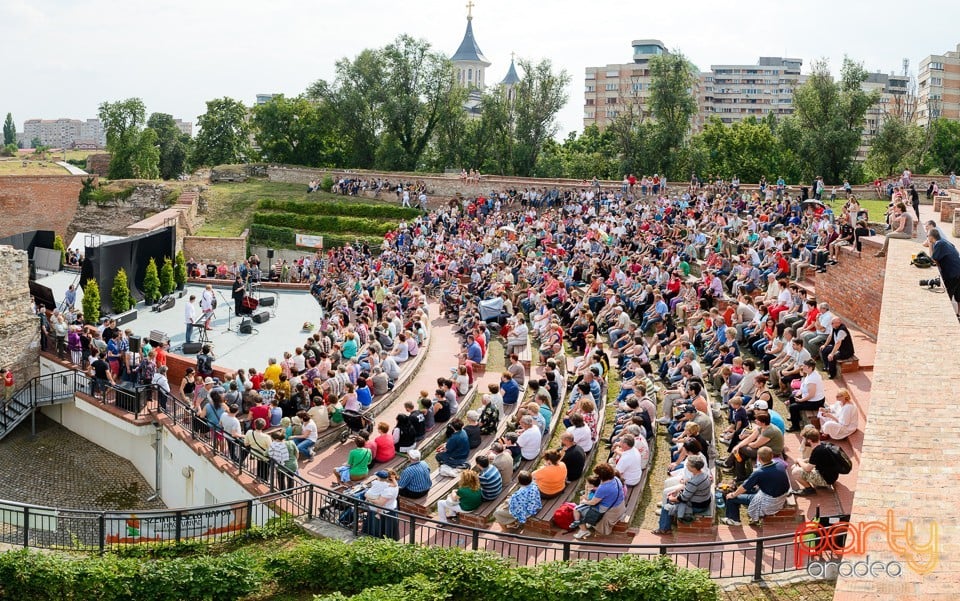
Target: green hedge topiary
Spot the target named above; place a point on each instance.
(345, 209)
(270, 234)
(91, 301)
(151, 283)
(167, 283)
(325, 223)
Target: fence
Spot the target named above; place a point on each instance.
(292, 498)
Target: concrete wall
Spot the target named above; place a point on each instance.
(38, 203)
(19, 328)
(854, 287)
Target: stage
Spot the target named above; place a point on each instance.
(281, 333)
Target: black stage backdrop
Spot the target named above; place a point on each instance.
(132, 254)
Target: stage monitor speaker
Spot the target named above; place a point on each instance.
(246, 326)
(134, 344)
(261, 317)
(125, 317)
(165, 303)
(267, 301)
(192, 348)
(270, 253)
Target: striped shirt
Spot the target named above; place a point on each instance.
(416, 477)
(491, 483)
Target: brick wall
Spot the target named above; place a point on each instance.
(203, 248)
(19, 328)
(38, 203)
(854, 287)
(177, 366)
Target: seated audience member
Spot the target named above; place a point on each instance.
(841, 419)
(522, 504)
(817, 466)
(415, 480)
(763, 493)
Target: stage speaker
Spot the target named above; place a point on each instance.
(165, 303)
(261, 317)
(134, 344)
(270, 254)
(246, 326)
(192, 348)
(181, 293)
(267, 301)
(125, 317)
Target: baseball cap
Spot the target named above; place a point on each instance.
(413, 454)
(383, 474)
(761, 405)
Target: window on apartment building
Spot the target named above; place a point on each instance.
(590, 88)
(612, 87)
(612, 114)
(611, 100)
(588, 115)
(637, 87)
(613, 74)
(936, 81)
(938, 66)
(589, 101)
(591, 75)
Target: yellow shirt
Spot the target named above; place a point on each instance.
(272, 373)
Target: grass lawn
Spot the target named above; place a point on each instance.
(16, 166)
(230, 206)
(876, 208)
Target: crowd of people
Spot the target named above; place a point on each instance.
(605, 275)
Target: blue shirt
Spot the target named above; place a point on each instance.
(525, 503)
(771, 479)
(364, 396)
(491, 483)
(458, 448)
(610, 493)
(416, 477)
(947, 258)
(474, 353)
(511, 392)
(777, 420)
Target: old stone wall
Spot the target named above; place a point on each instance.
(38, 203)
(19, 327)
(208, 248)
(116, 217)
(854, 287)
(99, 164)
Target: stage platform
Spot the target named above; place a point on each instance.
(283, 332)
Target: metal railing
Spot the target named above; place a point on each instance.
(293, 498)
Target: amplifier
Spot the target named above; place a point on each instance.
(261, 317)
(192, 348)
(267, 301)
(246, 326)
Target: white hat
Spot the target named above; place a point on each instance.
(413, 454)
(761, 405)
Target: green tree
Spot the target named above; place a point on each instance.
(151, 283)
(944, 153)
(59, 245)
(894, 148)
(10, 150)
(673, 106)
(224, 137)
(353, 105)
(120, 293)
(748, 149)
(538, 97)
(829, 120)
(132, 148)
(180, 270)
(91, 301)
(36, 143)
(167, 283)
(9, 131)
(172, 144)
(296, 131)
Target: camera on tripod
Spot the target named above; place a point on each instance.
(931, 283)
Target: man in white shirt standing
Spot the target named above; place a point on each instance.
(189, 316)
(207, 305)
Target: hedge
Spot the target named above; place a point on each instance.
(286, 237)
(364, 570)
(325, 223)
(346, 209)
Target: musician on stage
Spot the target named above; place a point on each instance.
(207, 305)
(239, 291)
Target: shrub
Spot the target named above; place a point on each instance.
(325, 223)
(346, 209)
(86, 191)
(270, 234)
(91, 301)
(151, 283)
(167, 283)
(327, 183)
(59, 245)
(180, 270)
(120, 293)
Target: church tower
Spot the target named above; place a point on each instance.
(469, 64)
(511, 79)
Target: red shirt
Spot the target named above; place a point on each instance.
(161, 357)
(260, 412)
(385, 450)
(256, 380)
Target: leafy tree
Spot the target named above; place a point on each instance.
(86, 191)
(167, 283)
(132, 148)
(748, 149)
(296, 131)
(224, 137)
(180, 270)
(35, 143)
(672, 105)
(829, 120)
(894, 148)
(944, 153)
(172, 144)
(352, 107)
(59, 245)
(538, 97)
(9, 150)
(9, 131)
(151, 283)
(91, 301)
(120, 293)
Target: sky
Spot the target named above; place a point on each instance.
(65, 57)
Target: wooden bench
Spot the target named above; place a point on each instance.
(526, 357)
(849, 366)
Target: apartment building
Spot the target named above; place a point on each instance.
(611, 89)
(938, 87)
(734, 92)
(895, 102)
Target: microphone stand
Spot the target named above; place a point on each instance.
(229, 312)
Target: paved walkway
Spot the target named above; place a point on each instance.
(910, 455)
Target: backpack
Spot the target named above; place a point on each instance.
(147, 371)
(563, 516)
(922, 259)
(844, 465)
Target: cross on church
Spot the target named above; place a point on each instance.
(511, 56)
(470, 6)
